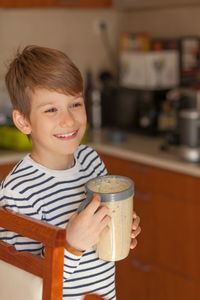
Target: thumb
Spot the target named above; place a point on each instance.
(71, 219)
(74, 215)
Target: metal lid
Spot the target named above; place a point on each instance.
(123, 194)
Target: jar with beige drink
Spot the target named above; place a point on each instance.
(117, 194)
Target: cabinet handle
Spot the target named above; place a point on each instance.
(142, 196)
(140, 266)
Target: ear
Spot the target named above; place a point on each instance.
(21, 122)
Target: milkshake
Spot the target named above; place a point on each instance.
(117, 194)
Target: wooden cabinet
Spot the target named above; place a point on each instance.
(176, 213)
(134, 4)
(55, 3)
(83, 3)
(134, 279)
(26, 3)
(4, 170)
(169, 285)
(165, 264)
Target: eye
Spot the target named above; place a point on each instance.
(51, 110)
(76, 104)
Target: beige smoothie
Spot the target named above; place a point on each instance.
(118, 192)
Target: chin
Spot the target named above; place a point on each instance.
(70, 150)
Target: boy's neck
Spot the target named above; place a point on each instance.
(61, 163)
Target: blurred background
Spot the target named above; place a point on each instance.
(140, 60)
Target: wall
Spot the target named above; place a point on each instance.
(168, 22)
(72, 31)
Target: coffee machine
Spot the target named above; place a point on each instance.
(189, 126)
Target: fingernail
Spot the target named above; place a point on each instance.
(97, 196)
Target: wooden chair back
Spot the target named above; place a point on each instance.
(49, 268)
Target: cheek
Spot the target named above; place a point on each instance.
(40, 126)
(85, 119)
(82, 118)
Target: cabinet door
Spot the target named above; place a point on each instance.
(176, 213)
(177, 230)
(172, 286)
(4, 170)
(176, 185)
(56, 3)
(134, 279)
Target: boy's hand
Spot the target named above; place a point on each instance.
(135, 230)
(84, 230)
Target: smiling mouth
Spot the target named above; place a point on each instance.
(66, 135)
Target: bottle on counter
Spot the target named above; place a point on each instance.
(167, 118)
(96, 109)
(93, 103)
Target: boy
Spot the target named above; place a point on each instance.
(46, 90)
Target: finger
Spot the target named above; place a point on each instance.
(134, 215)
(136, 223)
(101, 213)
(103, 231)
(133, 244)
(136, 232)
(104, 222)
(93, 205)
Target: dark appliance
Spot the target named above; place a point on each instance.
(131, 109)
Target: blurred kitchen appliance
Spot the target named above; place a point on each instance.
(134, 110)
(151, 70)
(189, 52)
(119, 108)
(189, 126)
(189, 60)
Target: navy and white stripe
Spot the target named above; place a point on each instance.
(53, 196)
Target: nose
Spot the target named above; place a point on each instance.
(67, 119)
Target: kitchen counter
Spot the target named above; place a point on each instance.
(10, 156)
(135, 147)
(145, 150)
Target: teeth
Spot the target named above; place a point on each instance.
(65, 135)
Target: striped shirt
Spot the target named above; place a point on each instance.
(53, 196)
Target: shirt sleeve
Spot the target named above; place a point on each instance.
(71, 262)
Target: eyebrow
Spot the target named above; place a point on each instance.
(53, 103)
(78, 96)
(45, 104)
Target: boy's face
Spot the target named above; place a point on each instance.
(57, 124)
